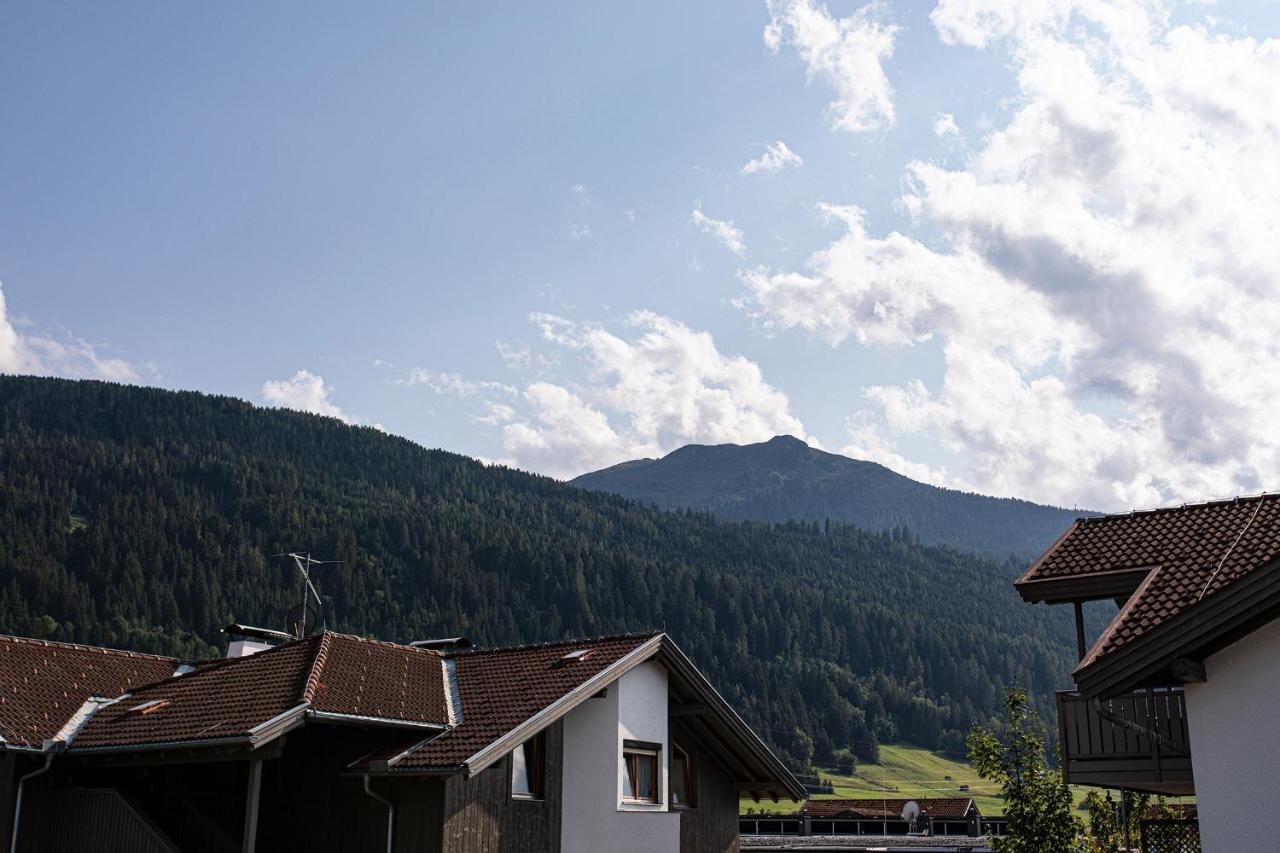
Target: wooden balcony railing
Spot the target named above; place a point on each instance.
(1137, 741)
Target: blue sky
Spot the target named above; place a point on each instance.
(451, 217)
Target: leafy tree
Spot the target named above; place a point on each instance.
(1037, 800)
(1107, 830)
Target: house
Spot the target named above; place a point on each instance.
(335, 742)
(932, 816)
(1177, 693)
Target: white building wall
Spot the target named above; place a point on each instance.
(1235, 746)
(594, 818)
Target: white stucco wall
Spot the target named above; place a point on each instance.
(1235, 747)
(593, 817)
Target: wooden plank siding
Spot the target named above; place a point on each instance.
(480, 815)
(87, 821)
(711, 825)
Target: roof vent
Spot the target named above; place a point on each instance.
(149, 707)
(443, 643)
(575, 656)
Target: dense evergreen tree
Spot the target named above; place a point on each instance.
(145, 519)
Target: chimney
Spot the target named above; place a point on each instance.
(247, 640)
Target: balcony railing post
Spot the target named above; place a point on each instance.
(1153, 723)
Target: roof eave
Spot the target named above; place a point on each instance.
(672, 655)
(1091, 586)
(1225, 617)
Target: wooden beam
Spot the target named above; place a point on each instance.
(1188, 671)
(1080, 646)
(692, 709)
(249, 841)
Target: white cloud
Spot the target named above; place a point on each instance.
(847, 53)
(304, 391)
(643, 392)
(38, 353)
(1101, 275)
(944, 125)
(454, 383)
(723, 230)
(776, 157)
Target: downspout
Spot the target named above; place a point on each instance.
(391, 813)
(22, 786)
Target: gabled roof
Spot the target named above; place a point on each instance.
(500, 689)
(43, 684)
(945, 808)
(329, 676)
(508, 695)
(1210, 563)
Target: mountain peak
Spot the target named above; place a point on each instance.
(784, 479)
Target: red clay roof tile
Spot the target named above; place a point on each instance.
(42, 683)
(1194, 551)
(502, 688)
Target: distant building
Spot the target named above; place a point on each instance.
(1188, 667)
(932, 816)
(337, 743)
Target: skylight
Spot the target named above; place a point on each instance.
(577, 655)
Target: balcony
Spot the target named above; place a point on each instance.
(1137, 741)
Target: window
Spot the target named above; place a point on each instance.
(529, 768)
(683, 794)
(640, 771)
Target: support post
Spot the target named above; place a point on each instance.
(1080, 646)
(253, 792)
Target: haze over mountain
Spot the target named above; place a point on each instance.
(146, 519)
(784, 479)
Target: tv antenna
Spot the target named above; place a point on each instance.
(301, 620)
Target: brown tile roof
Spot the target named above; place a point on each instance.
(502, 688)
(955, 808)
(1193, 551)
(332, 673)
(42, 684)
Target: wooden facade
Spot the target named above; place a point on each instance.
(710, 825)
(481, 816)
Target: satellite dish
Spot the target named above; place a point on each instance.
(301, 621)
(911, 812)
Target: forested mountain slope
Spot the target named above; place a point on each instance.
(784, 479)
(144, 519)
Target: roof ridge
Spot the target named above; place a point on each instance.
(217, 664)
(85, 647)
(377, 642)
(572, 641)
(317, 666)
(1112, 516)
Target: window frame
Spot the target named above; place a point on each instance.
(632, 752)
(689, 777)
(534, 751)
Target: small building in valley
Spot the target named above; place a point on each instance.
(878, 816)
(338, 743)
(1176, 694)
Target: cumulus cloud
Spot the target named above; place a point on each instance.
(643, 390)
(729, 235)
(304, 391)
(34, 352)
(846, 53)
(944, 125)
(1101, 276)
(776, 157)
